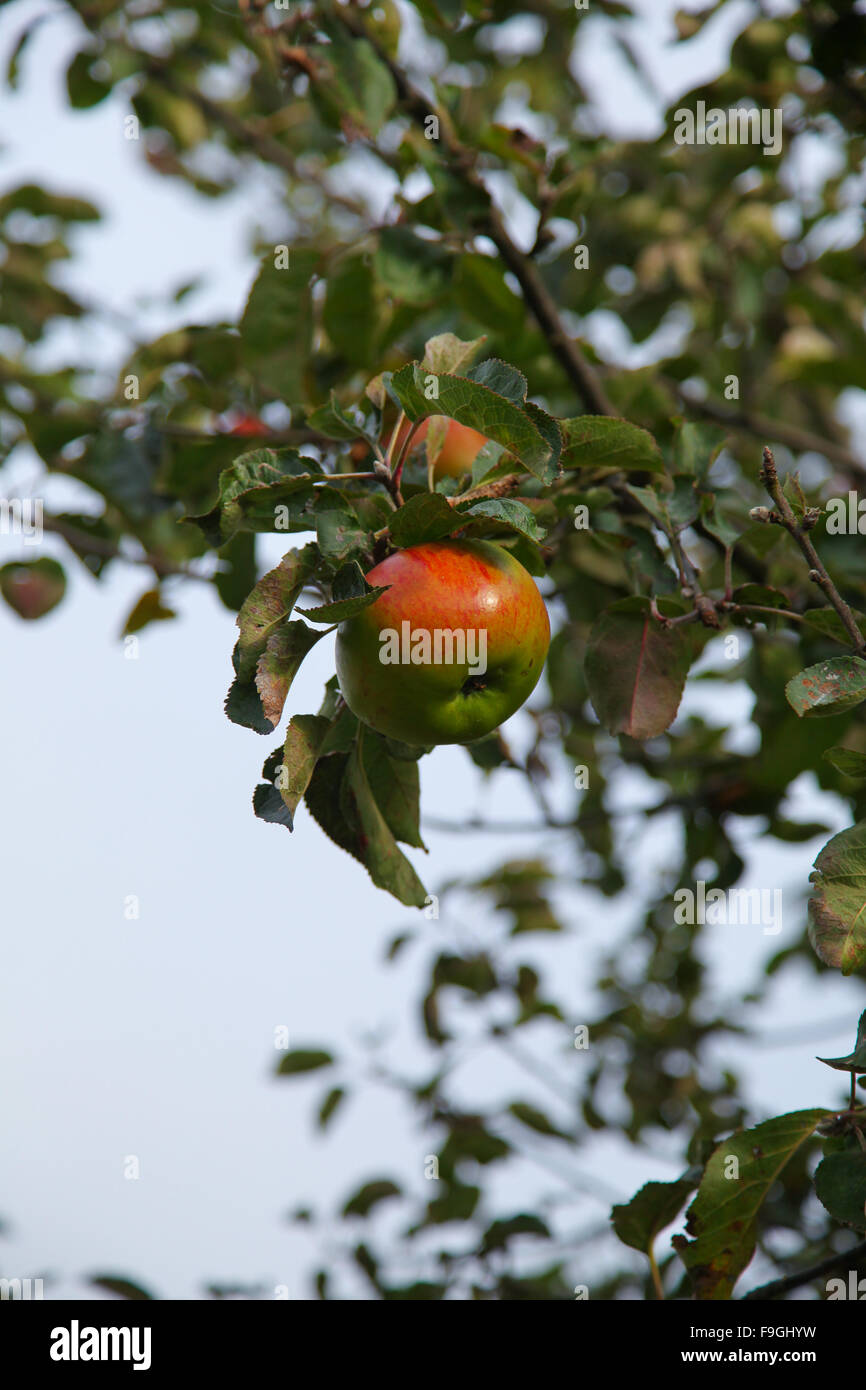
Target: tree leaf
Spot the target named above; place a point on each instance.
(536, 1119)
(697, 445)
(279, 664)
(426, 517)
(328, 1109)
(148, 609)
(600, 442)
(654, 1206)
(269, 605)
(840, 1186)
(302, 1060)
(395, 785)
(837, 907)
(856, 1061)
(251, 490)
(828, 688)
(499, 1234)
(370, 1195)
(508, 512)
(723, 1217)
(847, 761)
(123, 1288)
(384, 862)
(448, 353)
(277, 324)
(304, 738)
(636, 669)
(350, 593)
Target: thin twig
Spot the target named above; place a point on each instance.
(784, 516)
(804, 1276)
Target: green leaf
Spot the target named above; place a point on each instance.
(636, 669)
(426, 517)
(723, 1217)
(243, 706)
(328, 1109)
(277, 324)
(837, 907)
(847, 761)
(508, 512)
(536, 1120)
(448, 353)
(600, 442)
(480, 289)
(840, 1186)
(370, 1195)
(654, 1206)
(304, 738)
(828, 688)
(827, 622)
(83, 88)
(251, 490)
(395, 785)
(279, 664)
(303, 1060)
(411, 268)
(123, 1288)
(236, 576)
(386, 865)
(856, 1061)
(499, 1234)
(502, 378)
(148, 609)
(350, 593)
(339, 533)
(336, 423)
(484, 410)
(716, 523)
(32, 587)
(697, 445)
(353, 90)
(269, 806)
(349, 313)
(269, 605)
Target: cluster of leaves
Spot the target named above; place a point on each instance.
(633, 507)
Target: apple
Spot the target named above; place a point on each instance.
(453, 647)
(459, 447)
(249, 426)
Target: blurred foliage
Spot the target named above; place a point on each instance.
(735, 277)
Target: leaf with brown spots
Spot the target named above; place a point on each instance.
(723, 1217)
(830, 687)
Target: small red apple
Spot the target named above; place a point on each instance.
(453, 647)
(249, 425)
(459, 447)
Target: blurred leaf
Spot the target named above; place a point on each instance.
(370, 1195)
(598, 442)
(840, 1185)
(32, 588)
(148, 609)
(837, 921)
(302, 1060)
